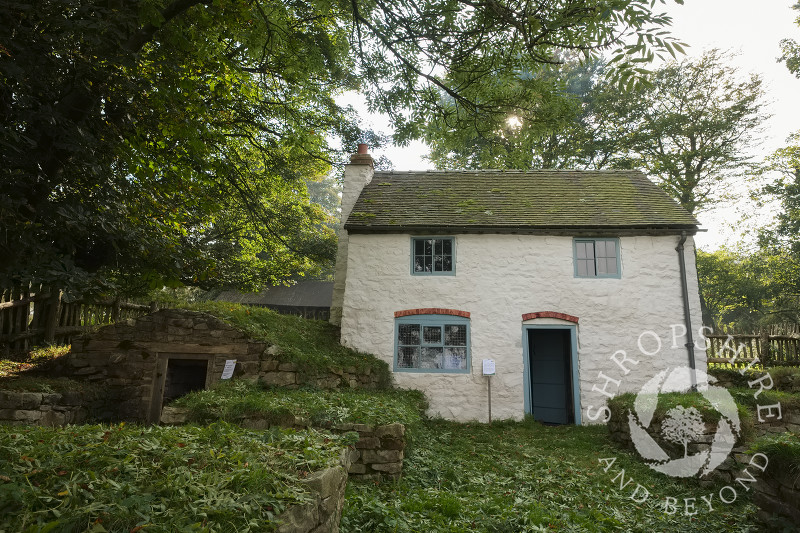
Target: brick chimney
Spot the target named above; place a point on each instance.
(356, 175)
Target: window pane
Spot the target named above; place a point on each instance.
(455, 335)
(447, 264)
(408, 334)
(432, 334)
(600, 248)
(418, 264)
(455, 358)
(438, 264)
(584, 250)
(585, 267)
(429, 247)
(430, 358)
(447, 246)
(437, 249)
(407, 357)
(601, 267)
(611, 265)
(419, 247)
(428, 263)
(611, 249)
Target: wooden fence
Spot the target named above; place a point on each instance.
(29, 318)
(777, 345)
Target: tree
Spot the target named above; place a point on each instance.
(743, 290)
(565, 130)
(168, 141)
(691, 127)
(683, 426)
(791, 50)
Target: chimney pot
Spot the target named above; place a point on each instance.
(363, 148)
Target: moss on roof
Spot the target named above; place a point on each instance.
(535, 200)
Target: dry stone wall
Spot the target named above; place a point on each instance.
(48, 409)
(323, 513)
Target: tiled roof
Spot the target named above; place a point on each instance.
(537, 200)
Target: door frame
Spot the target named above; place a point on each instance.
(526, 372)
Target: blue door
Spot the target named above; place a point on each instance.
(550, 372)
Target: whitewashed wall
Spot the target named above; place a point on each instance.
(498, 279)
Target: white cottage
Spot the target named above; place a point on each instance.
(579, 285)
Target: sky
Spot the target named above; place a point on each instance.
(753, 30)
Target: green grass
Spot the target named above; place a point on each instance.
(37, 359)
(521, 477)
(313, 345)
(668, 401)
(783, 452)
(158, 479)
(747, 397)
(232, 400)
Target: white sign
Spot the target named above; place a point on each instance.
(227, 372)
(488, 367)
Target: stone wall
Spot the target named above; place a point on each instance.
(379, 452)
(322, 515)
(130, 360)
(48, 408)
(778, 492)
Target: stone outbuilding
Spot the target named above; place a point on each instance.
(146, 362)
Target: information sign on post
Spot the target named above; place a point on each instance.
(489, 371)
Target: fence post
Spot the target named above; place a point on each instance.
(51, 318)
(115, 310)
(766, 356)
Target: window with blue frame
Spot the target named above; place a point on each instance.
(597, 258)
(433, 255)
(432, 343)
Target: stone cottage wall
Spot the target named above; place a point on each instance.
(498, 280)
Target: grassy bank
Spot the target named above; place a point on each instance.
(525, 477)
(130, 478)
(233, 400)
(313, 345)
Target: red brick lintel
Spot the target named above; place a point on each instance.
(550, 314)
(431, 311)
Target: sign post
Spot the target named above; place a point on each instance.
(489, 371)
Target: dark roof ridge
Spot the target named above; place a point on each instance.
(509, 171)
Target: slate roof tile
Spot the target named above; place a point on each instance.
(494, 199)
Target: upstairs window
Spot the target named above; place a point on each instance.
(433, 255)
(432, 343)
(597, 258)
